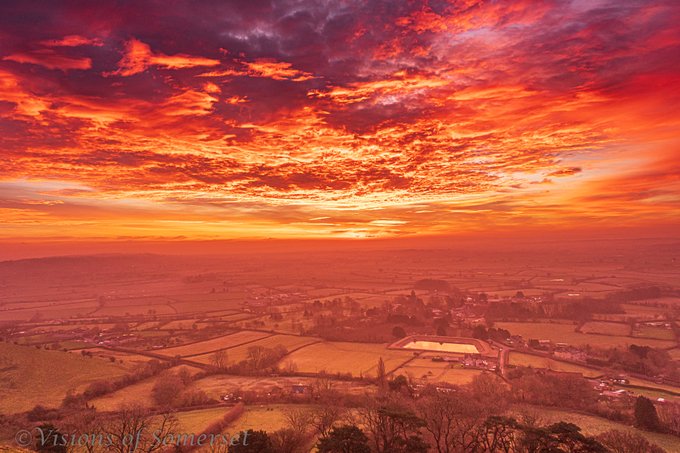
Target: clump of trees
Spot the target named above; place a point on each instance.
(551, 389)
(172, 390)
(645, 360)
(259, 360)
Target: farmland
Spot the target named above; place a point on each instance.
(566, 333)
(33, 376)
(214, 344)
(534, 361)
(595, 425)
(237, 353)
(606, 328)
(346, 358)
(332, 326)
(425, 370)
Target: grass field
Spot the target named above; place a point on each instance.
(644, 311)
(658, 333)
(214, 344)
(564, 333)
(197, 421)
(606, 328)
(235, 355)
(139, 393)
(33, 376)
(645, 383)
(592, 425)
(269, 418)
(354, 358)
(530, 360)
(427, 370)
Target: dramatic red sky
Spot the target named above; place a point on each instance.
(247, 119)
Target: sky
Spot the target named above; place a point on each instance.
(205, 120)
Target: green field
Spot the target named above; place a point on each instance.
(138, 394)
(659, 333)
(214, 344)
(197, 421)
(565, 333)
(530, 360)
(353, 358)
(236, 354)
(33, 376)
(269, 418)
(606, 328)
(429, 371)
(592, 425)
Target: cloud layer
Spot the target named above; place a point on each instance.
(349, 118)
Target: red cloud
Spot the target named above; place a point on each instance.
(72, 41)
(138, 57)
(50, 59)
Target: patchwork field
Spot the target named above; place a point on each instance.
(197, 421)
(30, 376)
(139, 393)
(606, 328)
(269, 418)
(216, 386)
(565, 333)
(238, 353)
(530, 360)
(214, 344)
(351, 358)
(659, 333)
(426, 370)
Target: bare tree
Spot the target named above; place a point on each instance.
(87, 422)
(453, 421)
(390, 423)
(135, 429)
(219, 359)
(627, 442)
(289, 440)
(298, 420)
(324, 417)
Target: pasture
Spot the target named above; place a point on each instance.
(213, 344)
(238, 353)
(269, 418)
(424, 369)
(565, 333)
(196, 421)
(606, 328)
(219, 384)
(33, 376)
(592, 425)
(533, 361)
(659, 333)
(357, 359)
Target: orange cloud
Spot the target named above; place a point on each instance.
(138, 57)
(423, 119)
(72, 41)
(50, 59)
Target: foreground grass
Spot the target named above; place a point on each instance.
(31, 376)
(592, 425)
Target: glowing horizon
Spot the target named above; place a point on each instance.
(347, 120)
